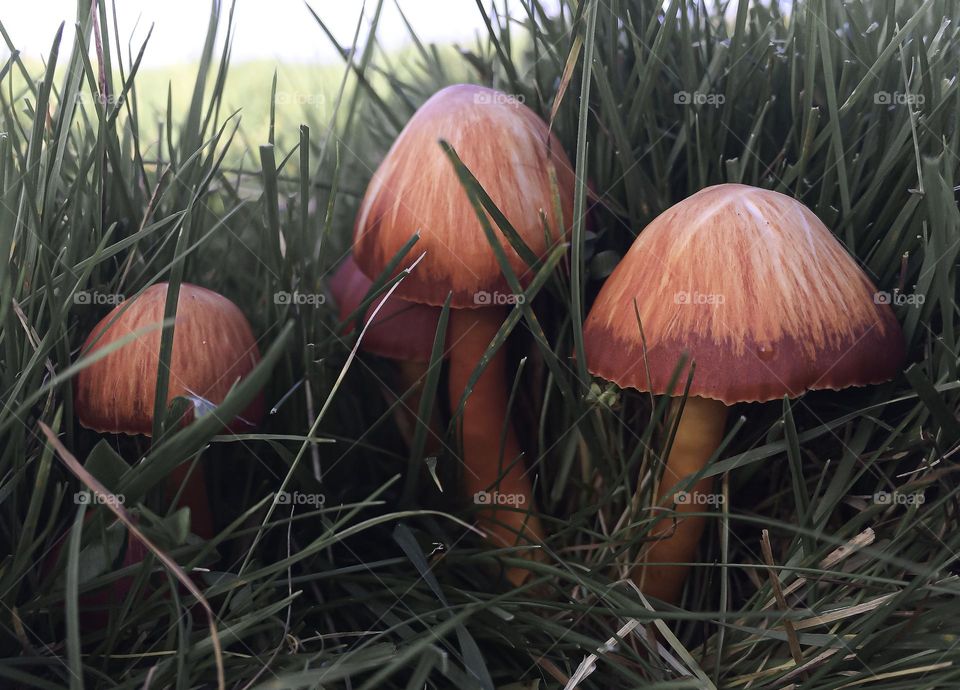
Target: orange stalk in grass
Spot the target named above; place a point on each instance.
(213, 347)
(766, 302)
(511, 152)
(493, 474)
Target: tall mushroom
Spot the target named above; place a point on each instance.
(402, 331)
(213, 347)
(511, 152)
(766, 302)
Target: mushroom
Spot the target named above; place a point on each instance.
(766, 302)
(213, 347)
(510, 151)
(402, 331)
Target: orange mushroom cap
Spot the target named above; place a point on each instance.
(213, 347)
(402, 330)
(508, 148)
(756, 289)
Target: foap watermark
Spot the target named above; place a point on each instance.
(87, 498)
(300, 299)
(900, 299)
(299, 498)
(495, 498)
(895, 498)
(316, 100)
(699, 98)
(687, 297)
(497, 98)
(488, 299)
(897, 98)
(695, 498)
(104, 99)
(92, 297)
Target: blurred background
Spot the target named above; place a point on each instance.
(280, 32)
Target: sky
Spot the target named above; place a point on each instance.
(278, 30)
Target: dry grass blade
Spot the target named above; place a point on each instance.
(846, 612)
(588, 665)
(792, 640)
(898, 674)
(865, 538)
(568, 69)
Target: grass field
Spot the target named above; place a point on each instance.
(250, 188)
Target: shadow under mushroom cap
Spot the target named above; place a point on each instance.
(402, 330)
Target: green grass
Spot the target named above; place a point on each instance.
(382, 587)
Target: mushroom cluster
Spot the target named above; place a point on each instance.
(734, 295)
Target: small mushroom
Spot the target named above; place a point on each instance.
(213, 347)
(766, 302)
(511, 152)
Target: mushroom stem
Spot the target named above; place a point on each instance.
(193, 496)
(675, 538)
(484, 426)
(412, 376)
